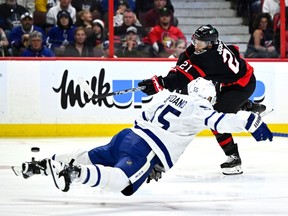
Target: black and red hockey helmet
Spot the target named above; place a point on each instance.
(206, 33)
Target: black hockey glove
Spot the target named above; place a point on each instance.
(258, 128)
(156, 173)
(254, 107)
(153, 85)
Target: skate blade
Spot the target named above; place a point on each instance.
(59, 181)
(17, 170)
(237, 170)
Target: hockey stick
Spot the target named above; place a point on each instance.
(266, 113)
(85, 86)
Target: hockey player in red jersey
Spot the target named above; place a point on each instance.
(209, 57)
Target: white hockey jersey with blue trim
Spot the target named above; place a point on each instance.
(169, 126)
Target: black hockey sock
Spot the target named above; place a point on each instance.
(227, 143)
(231, 149)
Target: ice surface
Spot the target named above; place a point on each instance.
(195, 186)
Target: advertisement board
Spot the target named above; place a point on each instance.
(43, 98)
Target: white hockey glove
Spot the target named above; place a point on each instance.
(156, 173)
(258, 128)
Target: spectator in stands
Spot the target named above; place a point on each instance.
(129, 19)
(143, 6)
(261, 44)
(118, 17)
(91, 5)
(248, 10)
(276, 27)
(79, 47)
(84, 19)
(19, 36)
(28, 4)
(10, 13)
(43, 5)
(25, 3)
(163, 37)
(104, 5)
(62, 34)
(98, 36)
(36, 48)
(152, 16)
(41, 8)
(105, 50)
(132, 46)
(179, 48)
(271, 6)
(104, 8)
(50, 3)
(51, 16)
(255, 8)
(3, 44)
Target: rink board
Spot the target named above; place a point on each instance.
(43, 98)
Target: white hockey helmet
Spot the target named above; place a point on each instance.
(203, 88)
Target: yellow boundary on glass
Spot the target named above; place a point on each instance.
(89, 130)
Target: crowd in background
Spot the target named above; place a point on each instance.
(142, 28)
(263, 19)
(79, 28)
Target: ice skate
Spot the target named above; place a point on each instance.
(232, 166)
(64, 174)
(28, 169)
(254, 107)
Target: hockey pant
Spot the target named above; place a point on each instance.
(122, 165)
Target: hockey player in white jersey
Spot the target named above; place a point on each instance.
(159, 137)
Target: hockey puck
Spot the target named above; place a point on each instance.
(35, 149)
